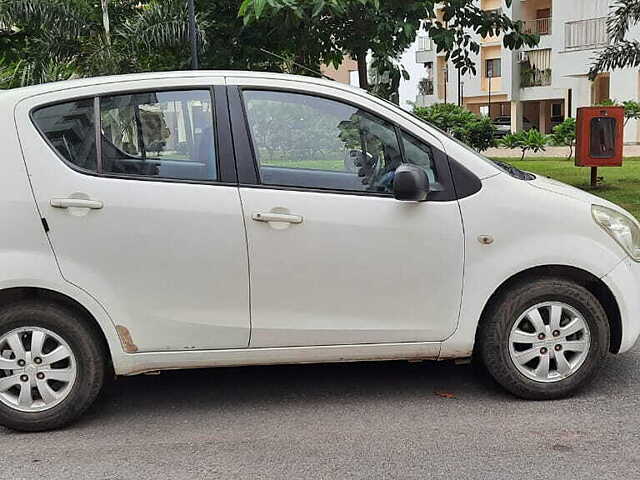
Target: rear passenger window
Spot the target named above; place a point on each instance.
(70, 128)
(159, 134)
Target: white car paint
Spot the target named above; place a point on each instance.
(341, 271)
(155, 253)
(532, 223)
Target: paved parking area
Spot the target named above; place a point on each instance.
(560, 152)
(357, 421)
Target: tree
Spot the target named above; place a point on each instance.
(621, 52)
(476, 131)
(631, 108)
(530, 140)
(144, 35)
(59, 39)
(565, 134)
(387, 28)
(104, 4)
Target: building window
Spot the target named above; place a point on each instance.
(493, 68)
(424, 43)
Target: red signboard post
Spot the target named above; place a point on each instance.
(599, 138)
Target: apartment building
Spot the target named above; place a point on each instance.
(346, 73)
(538, 86)
(534, 87)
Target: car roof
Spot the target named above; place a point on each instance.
(24, 92)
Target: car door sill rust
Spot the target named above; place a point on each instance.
(126, 340)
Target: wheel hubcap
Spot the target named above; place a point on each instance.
(549, 342)
(37, 369)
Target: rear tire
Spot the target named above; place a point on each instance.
(83, 369)
(522, 341)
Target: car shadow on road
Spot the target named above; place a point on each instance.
(289, 389)
(247, 387)
(296, 386)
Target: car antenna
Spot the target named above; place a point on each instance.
(279, 57)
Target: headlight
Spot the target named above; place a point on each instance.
(623, 229)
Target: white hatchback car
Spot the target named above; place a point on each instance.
(202, 219)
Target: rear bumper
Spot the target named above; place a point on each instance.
(624, 282)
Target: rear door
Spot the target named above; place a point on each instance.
(137, 183)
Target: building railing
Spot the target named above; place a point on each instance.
(540, 26)
(532, 77)
(584, 34)
(424, 44)
(425, 86)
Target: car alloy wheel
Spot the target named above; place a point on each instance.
(549, 342)
(37, 369)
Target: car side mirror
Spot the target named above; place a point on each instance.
(410, 184)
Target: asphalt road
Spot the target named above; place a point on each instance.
(364, 421)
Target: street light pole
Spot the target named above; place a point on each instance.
(446, 80)
(459, 89)
(192, 34)
(490, 95)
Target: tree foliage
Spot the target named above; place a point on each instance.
(621, 53)
(631, 108)
(564, 134)
(528, 140)
(59, 39)
(387, 28)
(145, 35)
(476, 131)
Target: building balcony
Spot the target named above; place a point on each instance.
(426, 100)
(539, 26)
(426, 87)
(586, 34)
(424, 50)
(532, 77)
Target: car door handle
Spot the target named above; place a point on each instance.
(277, 217)
(76, 203)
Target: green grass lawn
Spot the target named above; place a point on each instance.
(620, 185)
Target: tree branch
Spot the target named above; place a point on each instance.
(623, 54)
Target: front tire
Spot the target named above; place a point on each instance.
(544, 339)
(52, 366)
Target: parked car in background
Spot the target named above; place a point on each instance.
(205, 219)
(503, 125)
(556, 120)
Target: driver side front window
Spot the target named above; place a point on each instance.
(306, 141)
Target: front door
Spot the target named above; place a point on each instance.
(334, 258)
(144, 223)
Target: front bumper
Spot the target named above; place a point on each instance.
(624, 282)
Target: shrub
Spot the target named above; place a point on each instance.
(631, 108)
(565, 134)
(476, 131)
(530, 140)
(511, 140)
